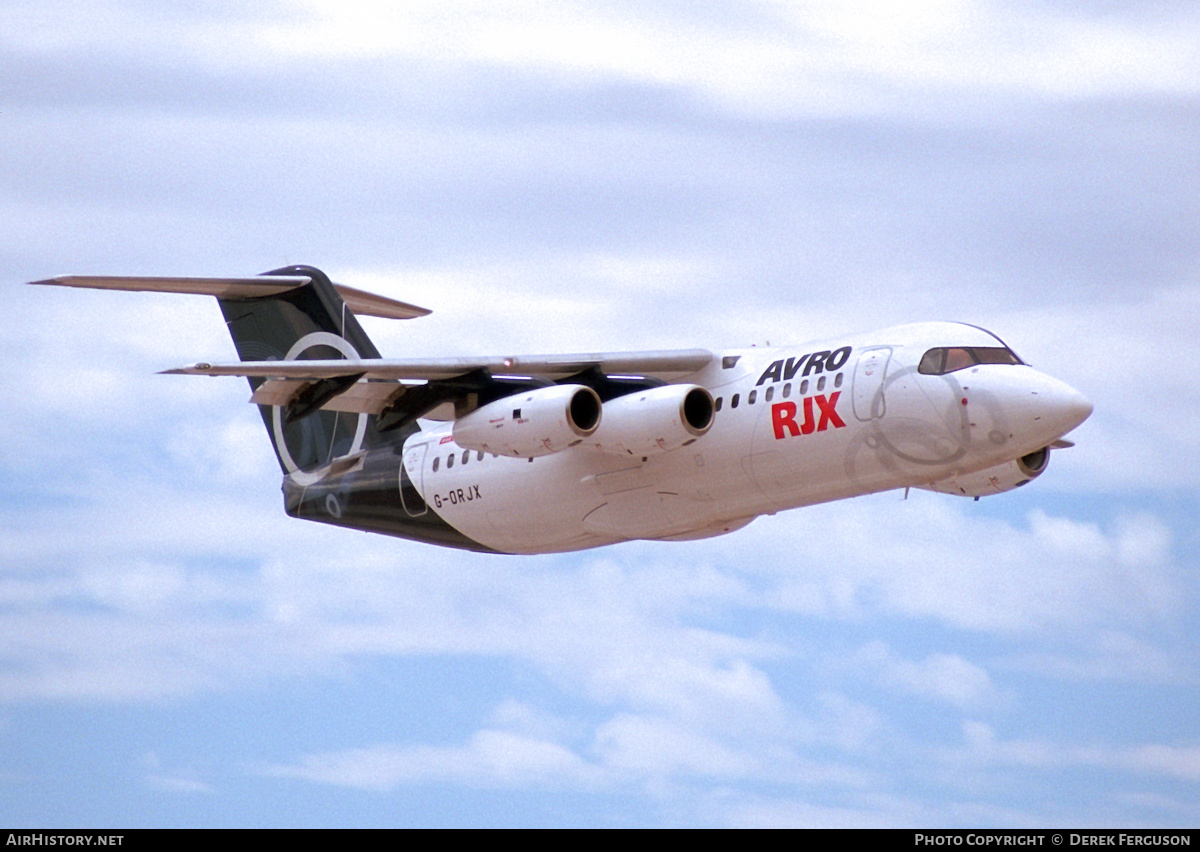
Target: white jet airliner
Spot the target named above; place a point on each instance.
(540, 454)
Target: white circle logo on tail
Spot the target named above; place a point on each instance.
(308, 341)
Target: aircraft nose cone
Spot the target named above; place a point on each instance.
(1079, 407)
(1063, 406)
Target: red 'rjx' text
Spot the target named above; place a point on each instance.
(783, 416)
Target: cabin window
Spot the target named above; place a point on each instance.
(821, 384)
(480, 456)
(733, 401)
(770, 394)
(466, 455)
(750, 399)
(837, 380)
(720, 400)
(449, 461)
(436, 461)
(804, 387)
(787, 390)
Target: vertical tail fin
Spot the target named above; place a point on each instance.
(310, 322)
(290, 313)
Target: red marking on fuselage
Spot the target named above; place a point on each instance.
(783, 416)
(828, 414)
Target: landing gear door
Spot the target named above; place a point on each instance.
(868, 387)
(412, 480)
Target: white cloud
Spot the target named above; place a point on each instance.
(943, 677)
(664, 176)
(983, 747)
(933, 557)
(1109, 655)
(1123, 354)
(777, 59)
(822, 57)
(848, 725)
(490, 758)
(625, 627)
(173, 784)
(547, 302)
(171, 780)
(649, 746)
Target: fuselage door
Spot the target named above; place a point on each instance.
(412, 480)
(868, 382)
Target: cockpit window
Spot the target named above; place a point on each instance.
(996, 355)
(947, 359)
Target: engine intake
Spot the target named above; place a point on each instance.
(995, 479)
(531, 424)
(655, 421)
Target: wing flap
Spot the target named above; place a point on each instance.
(362, 397)
(277, 391)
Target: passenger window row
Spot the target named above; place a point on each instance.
(734, 401)
(466, 457)
(786, 392)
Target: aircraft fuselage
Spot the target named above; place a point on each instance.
(793, 426)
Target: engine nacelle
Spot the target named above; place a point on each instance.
(533, 423)
(654, 421)
(993, 480)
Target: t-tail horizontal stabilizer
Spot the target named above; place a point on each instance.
(257, 287)
(291, 315)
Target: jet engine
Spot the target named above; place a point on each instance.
(654, 421)
(993, 480)
(530, 424)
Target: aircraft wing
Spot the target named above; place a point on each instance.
(664, 364)
(397, 391)
(403, 390)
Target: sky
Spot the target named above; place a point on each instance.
(175, 651)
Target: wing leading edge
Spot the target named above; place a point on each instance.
(663, 364)
(401, 391)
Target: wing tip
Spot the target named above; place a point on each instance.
(366, 303)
